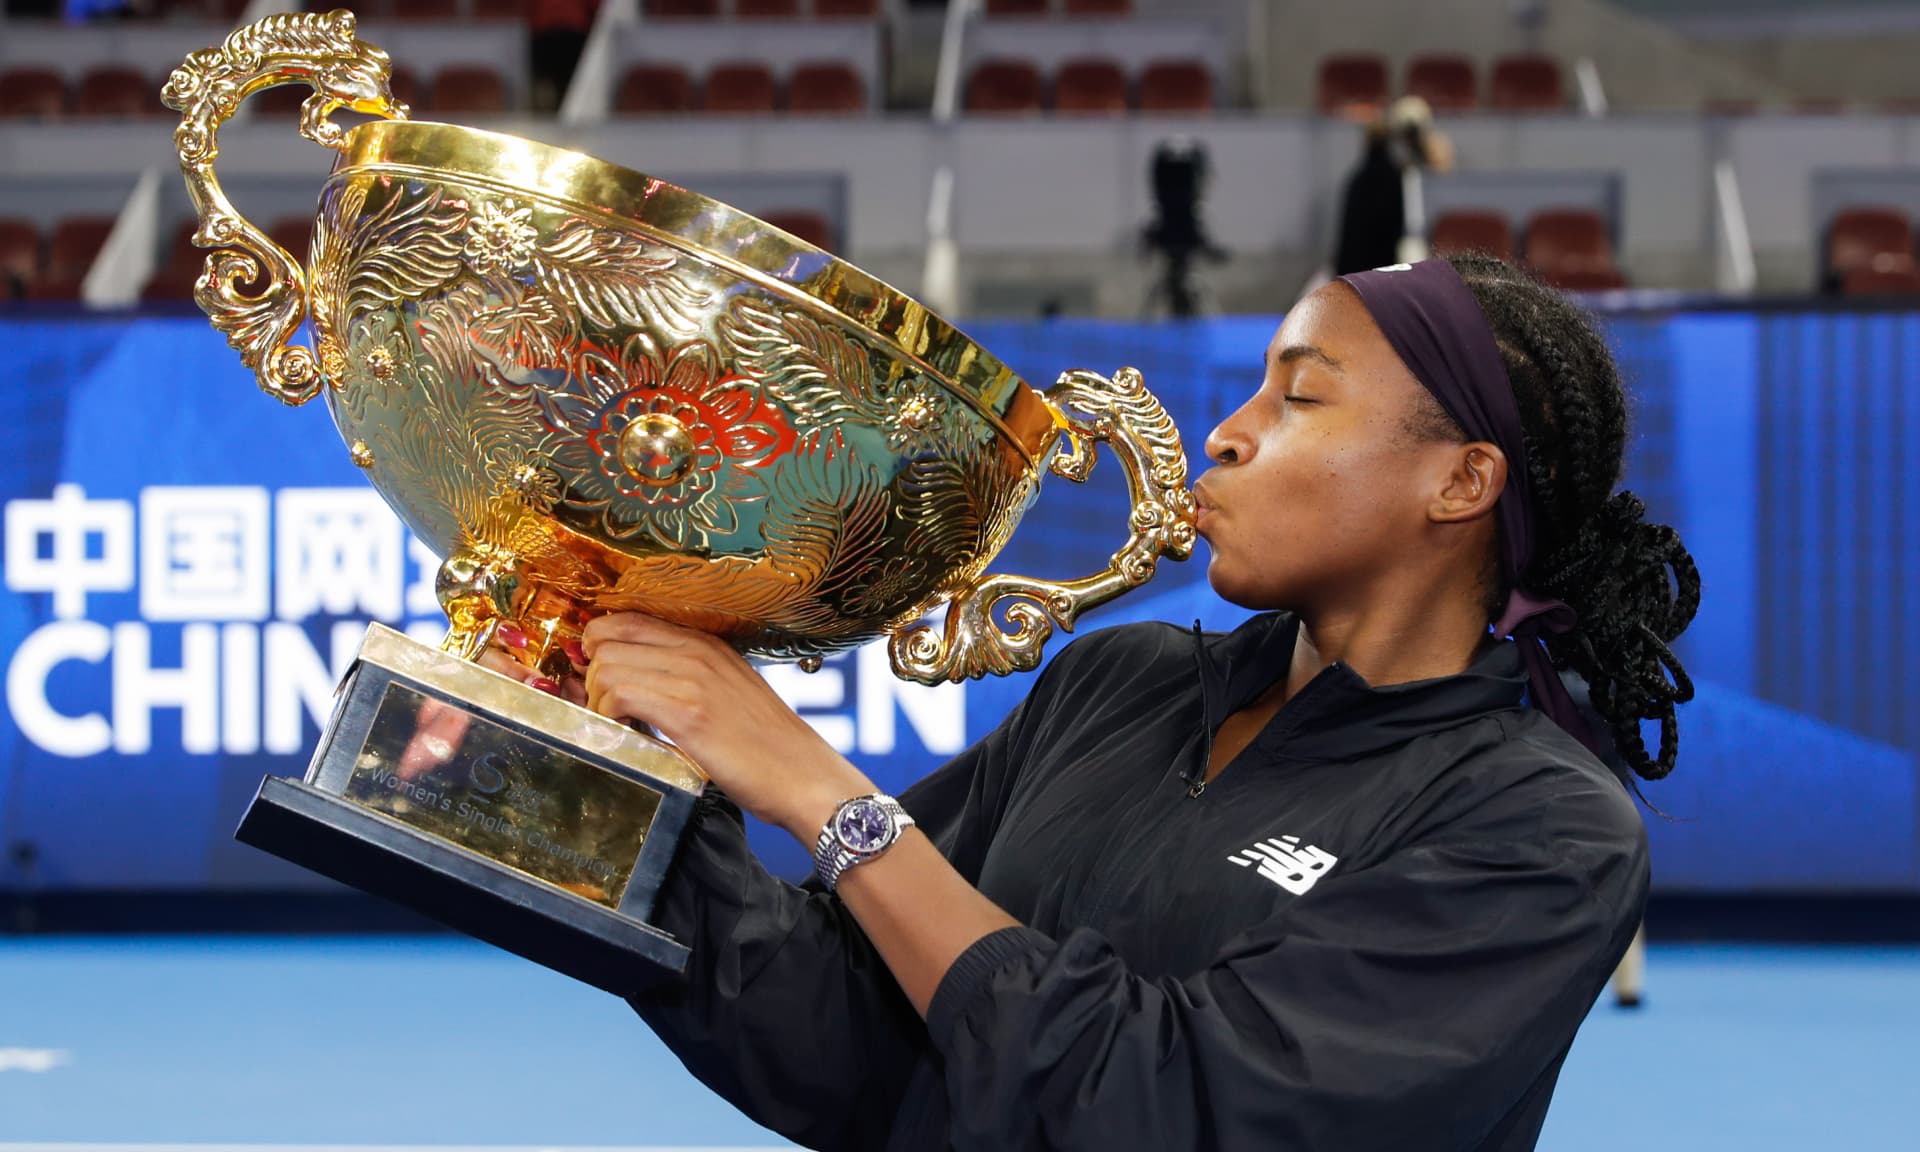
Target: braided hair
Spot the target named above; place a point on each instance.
(1632, 583)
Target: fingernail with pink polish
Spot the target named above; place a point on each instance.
(550, 686)
(511, 635)
(575, 652)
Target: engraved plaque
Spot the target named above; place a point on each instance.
(506, 795)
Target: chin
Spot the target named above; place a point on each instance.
(1242, 589)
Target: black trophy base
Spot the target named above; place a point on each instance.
(345, 842)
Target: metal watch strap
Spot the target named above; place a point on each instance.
(831, 857)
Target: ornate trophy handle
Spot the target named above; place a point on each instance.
(1122, 414)
(344, 72)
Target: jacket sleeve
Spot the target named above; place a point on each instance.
(787, 1010)
(1411, 1004)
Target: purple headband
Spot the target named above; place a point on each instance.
(1436, 327)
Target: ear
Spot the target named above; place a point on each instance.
(1476, 475)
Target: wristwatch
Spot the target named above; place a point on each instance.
(861, 829)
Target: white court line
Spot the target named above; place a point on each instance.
(376, 1148)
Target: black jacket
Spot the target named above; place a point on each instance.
(1378, 928)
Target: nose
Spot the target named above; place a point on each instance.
(1225, 445)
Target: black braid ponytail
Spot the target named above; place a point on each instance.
(1632, 583)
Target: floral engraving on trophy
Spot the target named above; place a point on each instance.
(525, 476)
(665, 445)
(500, 236)
(613, 280)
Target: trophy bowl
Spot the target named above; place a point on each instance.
(588, 390)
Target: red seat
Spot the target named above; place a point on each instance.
(1099, 7)
(72, 247)
(766, 9)
(1005, 88)
(1090, 87)
(811, 227)
(1017, 7)
(116, 90)
(846, 9)
(1176, 87)
(740, 88)
(500, 9)
(826, 88)
(1587, 280)
(1570, 247)
(1526, 84)
(19, 257)
(1472, 231)
(294, 233)
(37, 93)
(654, 90)
(1860, 236)
(1894, 279)
(684, 9)
(1351, 83)
(469, 89)
(1446, 83)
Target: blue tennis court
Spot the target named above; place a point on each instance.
(440, 1042)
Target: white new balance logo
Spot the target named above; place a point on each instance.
(1287, 862)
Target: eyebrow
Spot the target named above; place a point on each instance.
(1293, 353)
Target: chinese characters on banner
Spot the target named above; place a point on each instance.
(239, 574)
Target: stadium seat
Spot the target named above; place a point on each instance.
(846, 9)
(766, 9)
(812, 227)
(1176, 87)
(684, 9)
(71, 248)
(1587, 279)
(1858, 237)
(740, 88)
(294, 233)
(1472, 231)
(1526, 84)
(1351, 82)
(826, 88)
(1099, 7)
(1090, 87)
(19, 257)
(1446, 83)
(33, 93)
(1894, 280)
(1005, 88)
(118, 91)
(1018, 7)
(469, 89)
(654, 90)
(1570, 248)
(436, 10)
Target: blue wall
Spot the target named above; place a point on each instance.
(1785, 446)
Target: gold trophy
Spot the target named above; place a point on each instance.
(591, 391)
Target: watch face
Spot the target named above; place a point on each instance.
(863, 826)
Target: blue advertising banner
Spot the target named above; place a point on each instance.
(189, 566)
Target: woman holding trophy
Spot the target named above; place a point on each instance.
(1347, 878)
(1321, 883)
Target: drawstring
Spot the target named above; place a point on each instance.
(1197, 781)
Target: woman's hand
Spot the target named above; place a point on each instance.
(704, 696)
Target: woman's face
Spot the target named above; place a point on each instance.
(1321, 484)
